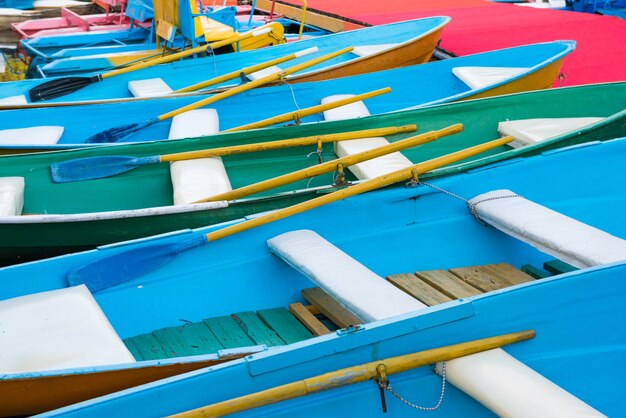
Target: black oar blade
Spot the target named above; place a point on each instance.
(127, 265)
(119, 132)
(60, 87)
(96, 167)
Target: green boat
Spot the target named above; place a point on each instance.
(66, 217)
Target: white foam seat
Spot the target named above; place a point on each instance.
(151, 87)
(349, 111)
(479, 77)
(532, 131)
(263, 73)
(55, 330)
(361, 290)
(14, 100)
(567, 239)
(499, 381)
(366, 50)
(11, 196)
(35, 135)
(199, 122)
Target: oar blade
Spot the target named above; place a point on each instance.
(118, 133)
(60, 87)
(127, 265)
(96, 167)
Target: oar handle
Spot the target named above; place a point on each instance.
(256, 83)
(375, 183)
(330, 166)
(355, 374)
(285, 143)
(246, 71)
(302, 113)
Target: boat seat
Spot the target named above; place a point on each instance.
(497, 380)
(367, 50)
(58, 329)
(197, 179)
(567, 239)
(371, 168)
(11, 196)
(264, 72)
(151, 87)
(532, 131)
(479, 77)
(35, 135)
(14, 100)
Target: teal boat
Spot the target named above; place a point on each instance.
(474, 265)
(68, 217)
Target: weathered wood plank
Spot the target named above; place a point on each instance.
(285, 324)
(535, 272)
(191, 339)
(447, 283)
(507, 273)
(478, 277)
(417, 288)
(256, 329)
(130, 344)
(228, 332)
(558, 267)
(333, 310)
(312, 309)
(304, 315)
(147, 346)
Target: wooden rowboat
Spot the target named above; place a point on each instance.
(68, 217)
(230, 286)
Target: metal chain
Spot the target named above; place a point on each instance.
(444, 191)
(388, 388)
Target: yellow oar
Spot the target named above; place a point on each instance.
(62, 86)
(338, 164)
(246, 71)
(299, 114)
(355, 374)
(139, 260)
(116, 133)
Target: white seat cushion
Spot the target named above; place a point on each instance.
(263, 73)
(151, 87)
(58, 329)
(567, 239)
(366, 50)
(199, 122)
(375, 167)
(532, 131)
(349, 111)
(14, 100)
(197, 179)
(479, 77)
(36, 135)
(361, 290)
(11, 196)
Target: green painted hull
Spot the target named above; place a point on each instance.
(150, 186)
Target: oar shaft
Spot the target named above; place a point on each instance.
(243, 72)
(375, 183)
(286, 143)
(256, 83)
(330, 166)
(299, 114)
(356, 374)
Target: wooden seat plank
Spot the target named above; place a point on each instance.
(191, 339)
(228, 332)
(306, 317)
(256, 329)
(147, 346)
(447, 283)
(285, 324)
(330, 307)
(417, 288)
(558, 267)
(491, 277)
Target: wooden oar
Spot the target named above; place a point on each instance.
(246, 71)
(109, 165)
(62, 86)
(117, 133)
(333, 165)
(130, 264)
(356, 374)
(308, 111)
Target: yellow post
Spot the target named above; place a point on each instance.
(299, 114)
(356, 374)
(286, 143)
(332, 165)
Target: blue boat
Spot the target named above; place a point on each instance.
(476, 265)
(381, 47)
(530, 67)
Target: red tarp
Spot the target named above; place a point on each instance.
(481, 25)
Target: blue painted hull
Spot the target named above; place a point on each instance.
(411, 87)
(578, 317)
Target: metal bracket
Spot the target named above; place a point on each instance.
(350, 329)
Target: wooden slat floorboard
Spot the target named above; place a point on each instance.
(414, 286)
(330, 307)
(309, 320)
(447, 283)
